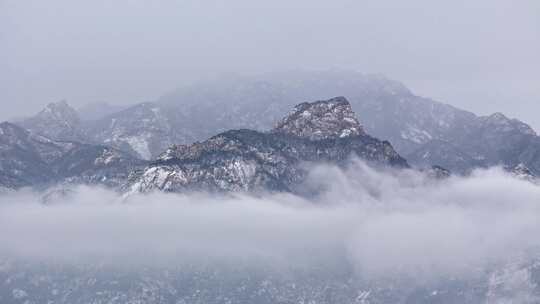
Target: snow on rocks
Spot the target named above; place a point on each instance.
(321, 120)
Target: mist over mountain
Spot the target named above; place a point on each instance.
(456, 52)
(424, 131)
(368, 235)
(225, 192)
(269, 152)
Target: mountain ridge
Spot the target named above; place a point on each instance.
(32, 160)
(252, 161)
(424, 131)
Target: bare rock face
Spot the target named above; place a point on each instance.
(247, 160)
(522, 172)
(438, 172)
(321, 120)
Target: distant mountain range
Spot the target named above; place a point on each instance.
(236, 160)
(425, 132)
(30, 160)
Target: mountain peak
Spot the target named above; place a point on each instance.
(497, 119)
(58, 120)
(60, 109)
(503, 123)
(498, 116)
(9, 129)
(320, 120)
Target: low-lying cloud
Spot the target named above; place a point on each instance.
(377, 223)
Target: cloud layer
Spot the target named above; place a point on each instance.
(378, 223)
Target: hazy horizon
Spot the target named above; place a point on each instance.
(480, 57)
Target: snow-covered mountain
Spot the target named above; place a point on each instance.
(199, 111)
(191, 114)
(57, 121)
(424, 131)
(321, 120)
(248, 160)
(144, 130)
(235, 160)
(463, 141)
(28, 159)
(24, 156)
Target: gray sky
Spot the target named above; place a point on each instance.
(480, 55)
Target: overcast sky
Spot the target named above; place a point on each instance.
(481, 55)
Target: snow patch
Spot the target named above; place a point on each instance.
(139, 145)
(416, 135)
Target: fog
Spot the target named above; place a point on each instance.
(380, 224)
(479, 55)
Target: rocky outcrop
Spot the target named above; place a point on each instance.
(247, 160)
(320, 120)
(437, 172)
(522, 172)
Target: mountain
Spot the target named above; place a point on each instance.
(248, 160)
(321, 120)
(193, 114)
(28, 159)
(57, 121)
(25, 157)
(424, 131)
(427, 133)
(144, 130)
(198, 111)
